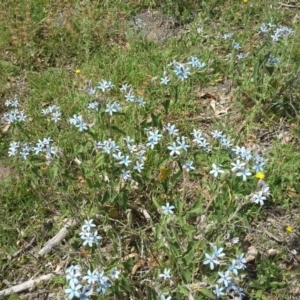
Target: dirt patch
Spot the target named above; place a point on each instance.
(5, 171)
(271, 238)
(153, 26)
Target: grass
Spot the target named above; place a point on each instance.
(44, 43)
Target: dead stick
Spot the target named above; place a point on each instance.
(16, 254)
(289, 5)
(58, 238)
(26, 285)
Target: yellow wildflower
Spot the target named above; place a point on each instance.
(289, 229)
(260, 175)
(77, 71)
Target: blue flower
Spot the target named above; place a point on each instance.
(241, 261)
(139, 166)
(273, 60)
(182, 72)
(218, 252)
(165, 80)
(72, 277)
(94, 105)
(56, 116)
(233, 267)
(238, 165)
(130, 97)
(216, 134)
(174, 149)
(91, 277)
(73, 291)
(199, 30)
(236, 45)
(105, 85)
(125, 161)
(125, 175)
(112, 108)
(88, 225)
(13, 148)
(224, 277)
(181, 143)
(258, 198)
(216, 170)
(218, 291)
(114, 273)
(168, 209)
(211, 260)
(244, 172)
(166, 274)
(153, 138)
(124, 87)
(91, 91)
(227, 36)
(188, 166)
(171, 128)
(103, 283)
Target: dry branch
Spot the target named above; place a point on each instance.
(289, 5)
(26, 285)
(57, 238)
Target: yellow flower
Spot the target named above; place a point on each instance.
(260, 175)
(289, 229)
(77, 71)
(245, 1)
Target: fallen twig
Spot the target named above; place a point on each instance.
(16, 254)
(26, 285)
(58, 237)
(289, 5)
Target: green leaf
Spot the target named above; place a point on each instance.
(115, 128)
(195, 209)
(166, 105)
(189, 254)
(156, 120)
(105, 197)
(186, 273)
(182, 290)
(207, 293)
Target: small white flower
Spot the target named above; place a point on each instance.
(166, 274)
(168, 209)
(114, 273)
(216, 171)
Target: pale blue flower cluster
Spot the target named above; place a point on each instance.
(84, 286)
(55, 112)
(273, 60)
(129, 155)
(281, 32)
(42, 146)
(14, 115)
(93, 105)
(278, 33)
(78, 122)
(105, 85)
(182, 70)
(201, 140)
(113, 107)
(261, 194)
(226, 283)
(12, 102)
(89, 234)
